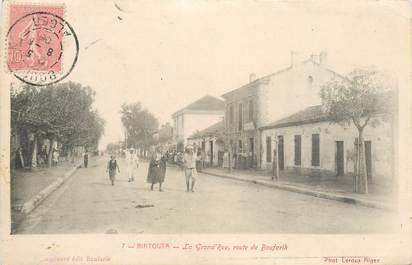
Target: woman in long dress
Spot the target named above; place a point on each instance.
(112, 166)
(157, 169)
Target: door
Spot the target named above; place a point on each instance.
(252, 151)
(211, 153)
(340, 158)
(368, 159)
(281, 155)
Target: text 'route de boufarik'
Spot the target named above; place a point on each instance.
(271, 247)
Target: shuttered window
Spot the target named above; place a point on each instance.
(250, 110)
(298, 150)
(240, 120)
(231, 114)
(315, 150)
(268, 149)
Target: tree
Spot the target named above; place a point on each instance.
(140, 125)
(356, 99)
(61, 112)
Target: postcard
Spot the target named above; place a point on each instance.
(205, 132)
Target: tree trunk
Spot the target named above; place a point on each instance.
(34, 153)
(50, 155)
(361, 172)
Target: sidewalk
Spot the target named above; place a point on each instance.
(339, 189)
(29, 187)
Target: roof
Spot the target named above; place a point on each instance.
(386, 102)
(209, 131)
(206, 103)
(309, 115)
(283, 70)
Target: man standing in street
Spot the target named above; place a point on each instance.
(189, 162)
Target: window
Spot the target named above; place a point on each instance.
(240, 127)
(315, 150)
(268, 149)
(231, 114)
(250, 110)
(298, 146)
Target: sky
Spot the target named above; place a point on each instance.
(166, 54)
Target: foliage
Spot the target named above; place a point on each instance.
(357, 98)
(58, 112)
(140, 125)
(113, 148)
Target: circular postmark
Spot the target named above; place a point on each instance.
(42, 48)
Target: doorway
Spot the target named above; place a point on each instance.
(211, 153)
(340, 154)
(281, 153)
(252, 151)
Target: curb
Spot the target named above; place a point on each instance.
(29, 205)
(319, 194)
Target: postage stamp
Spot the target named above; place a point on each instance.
(42, 47)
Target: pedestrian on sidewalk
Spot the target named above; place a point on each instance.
(55, 157)
(157, 169)
(86, 158)
(111, 168)
(189, 162)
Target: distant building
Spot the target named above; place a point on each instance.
(211, 141)
(269, 98)
(195, 117)
(309, 144)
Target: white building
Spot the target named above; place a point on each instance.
(210, 140)
(309, 144)
(196, 116)
(269, 98)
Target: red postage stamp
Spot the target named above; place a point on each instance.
(42, 46)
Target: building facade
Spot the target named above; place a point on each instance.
(309, 144)
(269, 98)
(211, 143)
(196, 116)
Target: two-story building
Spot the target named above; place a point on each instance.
(270, 98)
(194, 117)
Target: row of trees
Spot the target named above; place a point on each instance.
(61, 112)
(140, 126)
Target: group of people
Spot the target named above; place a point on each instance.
(157, 167)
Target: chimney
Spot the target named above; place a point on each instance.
(294, 58)
(323, 56)
(252, 77)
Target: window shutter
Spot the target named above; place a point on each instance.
(315, 150)
(268, 149)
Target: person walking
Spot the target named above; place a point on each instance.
(132, 164)
(86, 158)
(129, 165)
(189, 162)
(157, 169)
(111, 168)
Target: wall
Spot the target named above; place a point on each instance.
(380, 136)
(198, 121)
(216, 148)
(285, 93)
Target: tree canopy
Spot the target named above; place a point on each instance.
(61, 111)
(356, 99)
(140, 125)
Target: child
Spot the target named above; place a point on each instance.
(111, 167)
